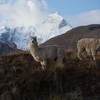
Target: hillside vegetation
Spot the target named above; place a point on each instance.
(21, 78)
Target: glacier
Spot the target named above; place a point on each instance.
(51, 26)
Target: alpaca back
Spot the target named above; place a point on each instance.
(87, 43)
(48, 52)
(51, 52)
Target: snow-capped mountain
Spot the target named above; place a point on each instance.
(51, 26)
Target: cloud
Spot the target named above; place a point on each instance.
(44, 3)
(90, 17)
(23, 12)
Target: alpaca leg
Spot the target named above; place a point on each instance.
(88, 51)
(84, 54)
(60, 62)
(93, 54)
(43, 63)
(60, 57)
(79, 55)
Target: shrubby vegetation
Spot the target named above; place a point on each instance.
(21, 78)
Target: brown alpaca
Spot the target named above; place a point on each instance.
(87, 46)
(43, 54)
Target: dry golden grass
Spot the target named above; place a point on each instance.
(70, 54)
(22, 78)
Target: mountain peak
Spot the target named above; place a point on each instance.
(52, 25)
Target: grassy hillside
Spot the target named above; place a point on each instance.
(70, 38)
(21, 78)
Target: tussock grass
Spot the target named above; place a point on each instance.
(21, 78)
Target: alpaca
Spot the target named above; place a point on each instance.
(87, 46)
(43, 54)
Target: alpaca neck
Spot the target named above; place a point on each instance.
(34, 51)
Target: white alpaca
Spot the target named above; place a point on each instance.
(87, 46)
(43, 54)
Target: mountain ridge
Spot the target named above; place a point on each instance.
(69, 39)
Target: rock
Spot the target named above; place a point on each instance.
(7, 47)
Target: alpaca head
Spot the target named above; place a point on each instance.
(33, 41)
